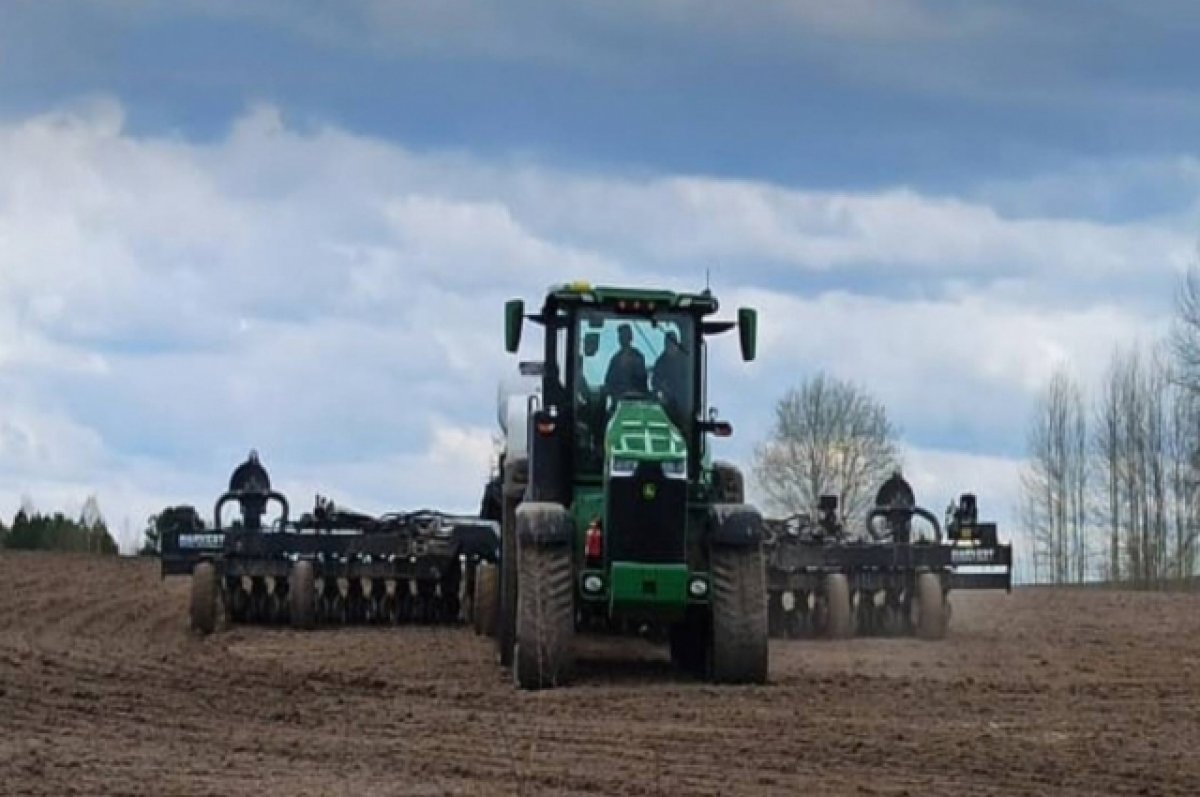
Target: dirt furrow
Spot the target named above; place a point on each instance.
(104, 690)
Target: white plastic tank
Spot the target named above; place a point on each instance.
(512, 411)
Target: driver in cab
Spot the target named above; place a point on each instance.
(627, 368)
(670, 376)
(670, 371)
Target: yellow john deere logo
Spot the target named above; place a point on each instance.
(649, 491)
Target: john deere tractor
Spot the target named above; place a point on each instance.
(614, 517)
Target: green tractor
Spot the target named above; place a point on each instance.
(614, 517)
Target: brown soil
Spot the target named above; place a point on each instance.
(103, 690)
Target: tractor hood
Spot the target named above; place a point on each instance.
(646, 489)
(640, 431)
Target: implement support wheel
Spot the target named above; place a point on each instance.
(302, 594)
(739, 615)
(203, 610)
(839, 622)
(487, 590)
(931, 607)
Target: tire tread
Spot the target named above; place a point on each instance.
(739, 615)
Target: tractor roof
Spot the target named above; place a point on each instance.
(583, 293)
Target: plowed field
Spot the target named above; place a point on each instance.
(103, 690)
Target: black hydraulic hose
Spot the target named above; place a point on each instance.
(239, 495)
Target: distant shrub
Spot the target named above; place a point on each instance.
(57, 532)
(179, 518)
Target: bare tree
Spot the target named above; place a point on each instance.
(1054, 482)
(1183, 458)
(829, 437)
(1185, 422)
(1146, 450)
(1185, 332)
(1157, 378)
(1107, 449)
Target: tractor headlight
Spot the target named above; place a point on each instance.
(622, 466)
(593, 584)
(675, 469)
(698, 588)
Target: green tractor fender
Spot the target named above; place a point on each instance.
(735, 525)
(544, 525)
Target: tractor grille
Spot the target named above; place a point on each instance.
(646, 517)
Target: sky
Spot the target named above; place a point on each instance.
(291, 226)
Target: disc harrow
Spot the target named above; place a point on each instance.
(329, 567)
(893, 578)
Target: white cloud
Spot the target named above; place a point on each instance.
(334, 300)
(36, 441)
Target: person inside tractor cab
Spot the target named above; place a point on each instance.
(670, 376)
(627, 368)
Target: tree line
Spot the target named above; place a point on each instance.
(34, 531)
(1109, 489)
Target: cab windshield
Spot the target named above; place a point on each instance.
(622, 356)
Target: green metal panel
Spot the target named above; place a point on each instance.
(514, 317)
(588, 504)
(748, 332)
(641, 430)
(633, 585)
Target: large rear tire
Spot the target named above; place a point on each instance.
(739, 615)
(506, 621)
(542, 656)
(839, 619)
(302, 595)
(776, 615)
(487, 588)
(203, 609)
(930, 604)
(506, 624)
(731, 485)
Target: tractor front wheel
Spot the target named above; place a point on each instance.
(739, 615)
(542, 656)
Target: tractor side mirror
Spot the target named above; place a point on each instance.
(748, 332)
(591, 344)
(716, 428)
(514, 316)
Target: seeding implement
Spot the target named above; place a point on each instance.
(330, 566)
(892, 578)
(614, 518)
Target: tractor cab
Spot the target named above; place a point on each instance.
(622, 382)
